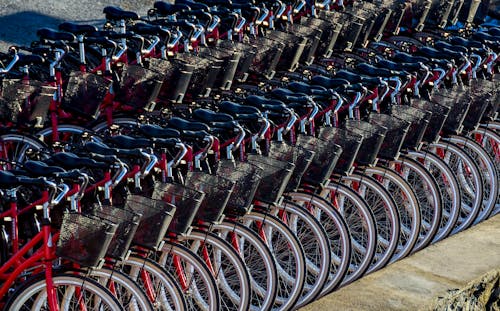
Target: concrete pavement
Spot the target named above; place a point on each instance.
(415, 283)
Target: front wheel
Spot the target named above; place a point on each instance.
(72, 292)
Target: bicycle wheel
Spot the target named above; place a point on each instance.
(490, 141)
(362, 227)
(190, 271)
(407, 203)
(314, 241)
(469, 180)
(258, 259)
(386, 215)
(129, 293)
(20, 148)
(226, 266)
(448, 188)
(487, 170)
(287, 251)
(69, 134)
(72, 292)
(429, 198)
(336, 230)
(493, 125)
(160, 286)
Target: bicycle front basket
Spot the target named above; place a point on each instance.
(292, 52)
(437, 118)
(155, 220)
(297, 155)
(483, 92)
(350, 143)
(325, 159)
(394, 137)
(247, 178)
(127, 222)
(248, 53)
(85, 93)
(186, 200)
(373, 136)
(459, 102)
(418, 118)
(217, 191)
(139, 86)
(275, 176)
(84, 239)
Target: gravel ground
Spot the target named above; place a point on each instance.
(19, 19)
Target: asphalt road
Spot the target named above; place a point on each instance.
(19, 19)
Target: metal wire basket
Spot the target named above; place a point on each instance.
(84, 239)
(395, 135)
(292, 52)
(248, 53)
(330, 32)
(156, 218)
(84, 93)
(217, 191)
(25, 101)
(491, 88)
(436, 120)
(313, 36)
(297, 155)
(139, 86)
(127, 221)
(459, 103)
(187, 202)
(267, 58)
(230, 59)
(275, 176)
(177, 81)
(325, 158)
(483, 95)
(247, 179)
(418, 118)
(204, 73)
(350, 143)
(373, 137)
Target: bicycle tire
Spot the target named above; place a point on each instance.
(487, 170)
(448, 187)
(231, 274)
(362, 227)
(202, 292)
(23, 143)
(471, 199)
(490, 141)
(166, 295)
(314, 241)
(386, 215)
(127, 291)
(288, 253)
(36, 287)
(428, 195)
(407, 203)
(336, 230)
(258, 259)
